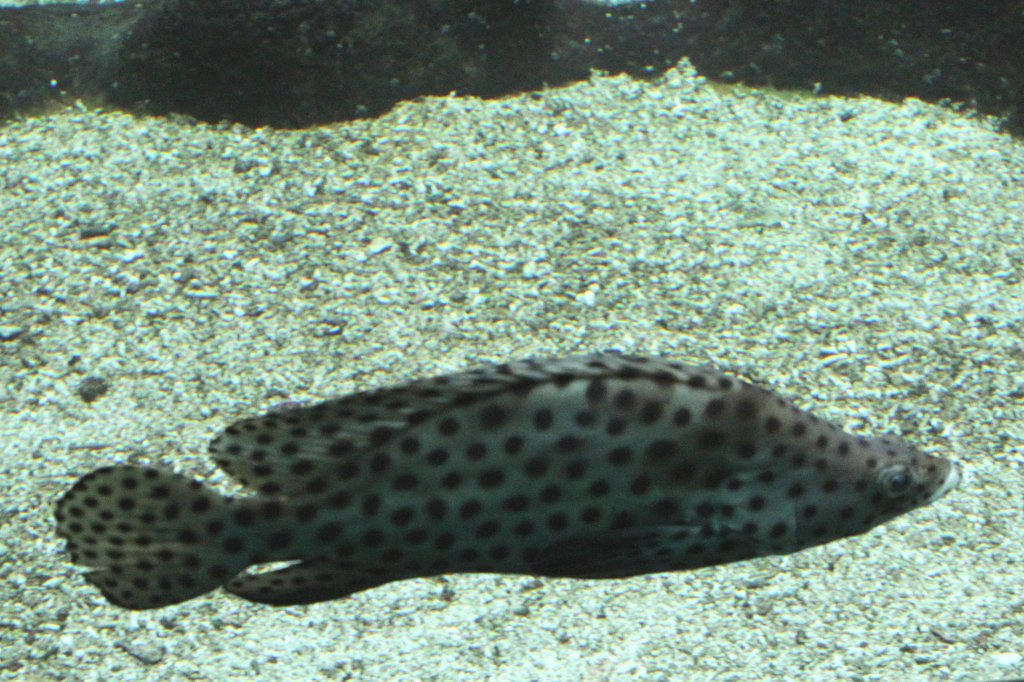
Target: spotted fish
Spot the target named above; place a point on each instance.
(599, 466)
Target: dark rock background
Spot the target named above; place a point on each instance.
(294, 63)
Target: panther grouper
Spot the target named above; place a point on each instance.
(599, 466)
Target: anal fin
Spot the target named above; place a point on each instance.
(306, 582)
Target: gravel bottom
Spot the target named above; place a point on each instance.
(160, 278)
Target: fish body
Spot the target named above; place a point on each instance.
(599, 466)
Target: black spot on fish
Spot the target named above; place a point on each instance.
(597, 389)
(651, 412)
(491, 478)
(569, 444)
(710, 438)
(542, 419)
(402, 516)
(640, 485)
(746, 409)
(714, 409)
(437, 508)
(550, 493)
(625, 399)
(535, 467)
(682, 417)
(620, 456)
(514, 444)
(470, 509)
(516, 503)
(437, 456)
(492, 417)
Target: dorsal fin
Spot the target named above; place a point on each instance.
(297, 451)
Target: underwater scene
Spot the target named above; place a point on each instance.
(538, 340)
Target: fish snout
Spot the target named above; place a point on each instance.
(951, 481)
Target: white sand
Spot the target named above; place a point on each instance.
(862, 257)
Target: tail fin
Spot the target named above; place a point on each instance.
(152, 537)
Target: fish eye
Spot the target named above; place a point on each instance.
(895, 482)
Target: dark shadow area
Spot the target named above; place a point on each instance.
(293, 63)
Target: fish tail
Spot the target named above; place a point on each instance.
(150, 536)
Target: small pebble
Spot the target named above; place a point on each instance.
(146, 652)
(8, 333)
(92, 388)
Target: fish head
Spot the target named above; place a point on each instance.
(875, 480)
(902, 477)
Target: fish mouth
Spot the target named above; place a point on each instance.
(952, 480)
